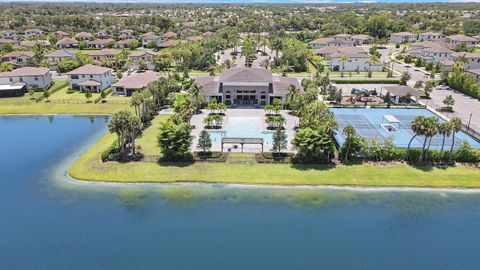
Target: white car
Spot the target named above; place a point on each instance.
(442, 87)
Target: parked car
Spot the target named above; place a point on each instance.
(442, 87)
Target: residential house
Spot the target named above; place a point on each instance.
(134, 82)
(126, 34)
(403, 37)
(168, 35)
(84, 36)
(474, 73)
(139, 58)
(33, 77)
(429, 36)
(147, 38)
(361, 39)
(95, 78)
(31, 43)
(67, 43)
(60, 55)
(245, 85)
(12, 42)
(18, 58)
(9, 34)
(33, 33)
(62, 34)
(103, 54)
(343, 36)
(99, 43)
(457, 40)
(473, 59)
(125, 43)
(436, 54)
(104, 34)
(329, 50)
(447, 65)
(166, 44)
(356, 62)
(324, 42)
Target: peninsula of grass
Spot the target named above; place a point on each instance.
(90, 167)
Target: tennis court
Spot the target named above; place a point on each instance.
(374, 123)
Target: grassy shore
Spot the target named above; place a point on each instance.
(89, 167)
(62, 103)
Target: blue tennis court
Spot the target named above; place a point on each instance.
(368, 124)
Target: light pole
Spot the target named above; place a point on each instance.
(469, 120)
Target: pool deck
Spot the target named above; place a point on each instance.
(197, 121)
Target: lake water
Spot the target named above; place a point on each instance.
(50, 222)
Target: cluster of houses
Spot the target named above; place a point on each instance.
(344, 54)
(434, 48)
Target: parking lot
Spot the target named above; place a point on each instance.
(347, 88)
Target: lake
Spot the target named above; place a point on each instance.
(48, 221)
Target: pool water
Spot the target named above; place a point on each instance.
(243, 127)
(48, 221)
(368, 124)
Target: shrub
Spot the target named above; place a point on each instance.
(110, 152)
(360, 81)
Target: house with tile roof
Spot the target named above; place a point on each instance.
(134, 82)
(246, 85)
(95, 78)
(33, 77)
(60, 55)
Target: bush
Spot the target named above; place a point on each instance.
(106, 91)
(467, 154)
(111, 153)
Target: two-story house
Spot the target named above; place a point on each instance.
(33, 77)
(95, 78)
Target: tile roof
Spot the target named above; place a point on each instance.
(16, 54)
(89, 70)
(60, 53)
(25, 71)
(67, 41)
(137, 80)
(246, 74)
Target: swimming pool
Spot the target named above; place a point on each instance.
(368, 123)
(242, 127)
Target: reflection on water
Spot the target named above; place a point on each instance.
(48, 221)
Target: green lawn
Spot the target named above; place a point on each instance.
(89, 167)
(27, 105)
(148, 141)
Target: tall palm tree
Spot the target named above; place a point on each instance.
(372, 60)
(430, 131)
(444, 129)
(349, 132)
(417, 126)
(460, 60)
(456, 127)
(344, 59)
(195, 92)
(277, 45)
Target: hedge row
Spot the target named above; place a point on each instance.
(107, 92)
(385, 81)
(53, 88)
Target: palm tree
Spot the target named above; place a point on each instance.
(418, 129)
(444, 129)
(431, 130)
(373, 59)
(456, 125)
(277, 45)
(292, 95)
(349, 132)
(460, 60)
(344, 59)
(195, 92)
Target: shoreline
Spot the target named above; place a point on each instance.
(359, 188)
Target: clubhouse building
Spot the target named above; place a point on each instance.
(246, 85)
